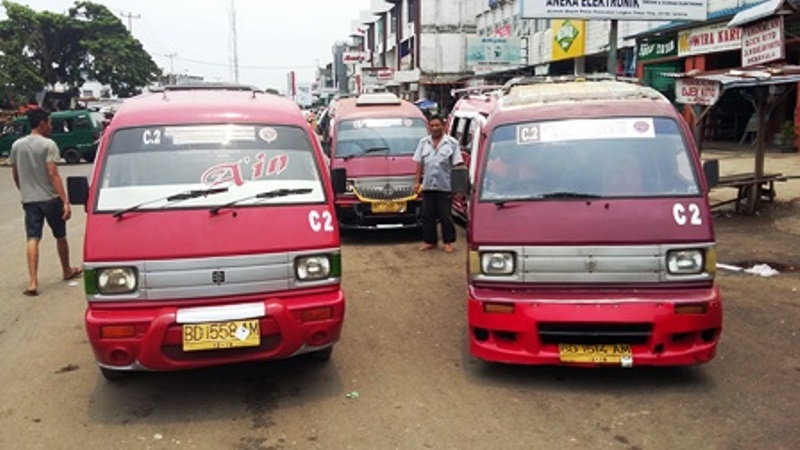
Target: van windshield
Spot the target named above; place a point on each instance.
(145, 164)
(379, 137)
(588, 158)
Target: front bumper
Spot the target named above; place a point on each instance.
(157, 344)
(354, 214)
(647, 321)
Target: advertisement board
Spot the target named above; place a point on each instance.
(763, 42)
(696, 10)
(569, 39)
(690, 91)
(709, 39)
(486, 54)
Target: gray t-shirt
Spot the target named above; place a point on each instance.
(31, 155)
(437, 164)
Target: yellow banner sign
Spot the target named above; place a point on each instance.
(569, 38)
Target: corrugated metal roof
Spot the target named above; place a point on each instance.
(760, 11)
(739, 78)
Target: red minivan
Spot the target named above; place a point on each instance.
(211, 234)
(591, 241)
(372, 143)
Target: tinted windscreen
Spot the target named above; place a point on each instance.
(379, 137)
(143, 164)
(626, 157)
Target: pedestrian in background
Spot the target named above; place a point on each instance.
(33, 162)
(436, 156)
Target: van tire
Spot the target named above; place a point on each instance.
(72, 156)
(90, 157)
(114, 375)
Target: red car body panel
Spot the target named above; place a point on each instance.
(177, 234)
(675, 339)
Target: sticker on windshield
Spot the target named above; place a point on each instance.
(408, 122)
(268, 134)
(527, 134)
(235, 172)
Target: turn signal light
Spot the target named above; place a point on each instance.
(117, 331)
(692, 308)
(498, 308)
(313, 315)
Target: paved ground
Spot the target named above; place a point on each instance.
(403, 352)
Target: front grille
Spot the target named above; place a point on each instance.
(551, 333)
(386, 189)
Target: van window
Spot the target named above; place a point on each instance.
(62, 126)
(618, 157)
(82, 123)
(393, 136)
(144, 164)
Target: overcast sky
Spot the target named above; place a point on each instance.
(274, 36)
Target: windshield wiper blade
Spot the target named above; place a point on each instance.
(369, 150)
(569, 195)
(186, 195)
(268, 194)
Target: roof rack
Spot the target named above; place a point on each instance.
(540, 79)
(376, 99)
(208, 87)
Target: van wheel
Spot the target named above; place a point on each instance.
(71, 156)
(90, 157)
(114, 375)
(323, 355)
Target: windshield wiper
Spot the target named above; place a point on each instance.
(367, 151)
(186, 195)
(569, 195)
(262, 195)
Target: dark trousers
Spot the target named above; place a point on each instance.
(436, 205)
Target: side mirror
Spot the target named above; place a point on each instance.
(460, 180)
(339, 179)
(78, 190)
(711, 171)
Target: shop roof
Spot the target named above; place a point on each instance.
(760, 11)
(680, 25)
(742, 78)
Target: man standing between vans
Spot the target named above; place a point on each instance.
(436, 155)
(33, 161)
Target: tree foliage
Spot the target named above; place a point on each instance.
(40, 49)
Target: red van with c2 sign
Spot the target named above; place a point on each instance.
(211, 235)
(591, 240)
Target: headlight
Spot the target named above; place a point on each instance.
(117, 280)
(685, 262)
(310, 268)
(498, 263)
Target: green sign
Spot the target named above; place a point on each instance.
(566, 35)
(655, 49)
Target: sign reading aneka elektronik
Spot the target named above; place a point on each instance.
(615, 9)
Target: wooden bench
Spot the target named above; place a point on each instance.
(745, 182)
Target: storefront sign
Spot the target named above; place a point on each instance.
(763, 42)
(691, 91)
(501, 53)
(709, 39)
(655, 49)
(353, 57)
(615, 9)
(569, 39)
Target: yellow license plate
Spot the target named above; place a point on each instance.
(221, 335)
(388, 207)
(595, 353)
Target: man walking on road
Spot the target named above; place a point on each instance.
(436, 155)
(33, 161)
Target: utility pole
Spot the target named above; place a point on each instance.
(234, 44)
(130, 16)
(171, 56)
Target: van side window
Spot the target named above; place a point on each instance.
(82, 123)
(454, 127)
(62, 126)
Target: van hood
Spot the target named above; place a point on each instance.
(377, 166)
(592, 222)
(178, 234)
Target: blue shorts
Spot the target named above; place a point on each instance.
(36, 213)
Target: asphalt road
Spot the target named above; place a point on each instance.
(404, 364)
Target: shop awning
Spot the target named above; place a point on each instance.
(742, 78)
(761, 11)
(680, 25)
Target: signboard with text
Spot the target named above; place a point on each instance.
(690, 91)
(615, 9)
(657, 48)
(763, 42)
(569, 39)
(709, 39)
(486, 54)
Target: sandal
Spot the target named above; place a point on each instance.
(76, 272)
(31, 292)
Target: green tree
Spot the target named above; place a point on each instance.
(40, 49)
